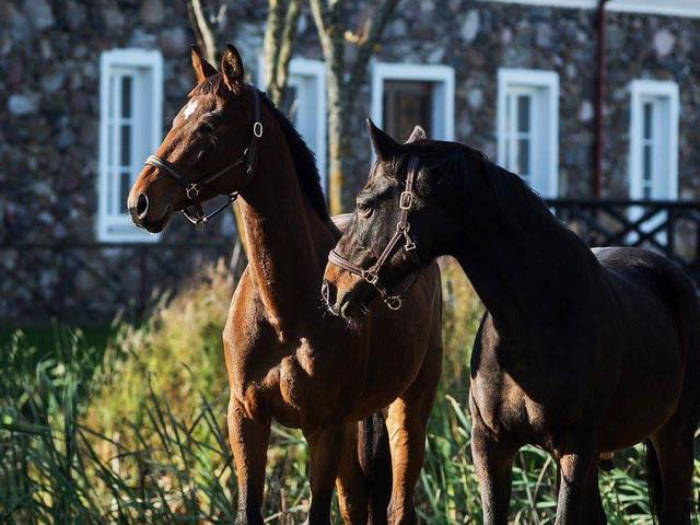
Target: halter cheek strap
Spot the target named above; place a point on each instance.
(193, 189)
(403, 227)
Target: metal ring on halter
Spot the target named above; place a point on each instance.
(370, 277)
(393, 302)
(406, 200)
(258, 129)
(192, 191)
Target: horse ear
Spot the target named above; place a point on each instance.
(202, 68)
(418, 133)
(232, 69)
(384, 146)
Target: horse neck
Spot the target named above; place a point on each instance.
(286, 239)
(526, 267)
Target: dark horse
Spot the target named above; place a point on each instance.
(581, 352)
(284, 360)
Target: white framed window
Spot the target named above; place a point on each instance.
(653, 154)
(689, 8)
(305, 105)
(404, 95)
(527, 124)
(131, 115)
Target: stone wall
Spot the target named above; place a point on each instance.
(476, 38)
(49, 101)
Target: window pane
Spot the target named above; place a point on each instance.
(523, 113)
(405, 105)
(509, 160)
(126, 97)
(509, 116)
(524, 157)
(110, 144)
(124, 187)
(647, 163)
(110, 98)
(125, 138)
(648, 115)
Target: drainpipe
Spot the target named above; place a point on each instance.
(600, 80)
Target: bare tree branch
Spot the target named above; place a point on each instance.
(319, 10)
(286, 47)
(203, 32)
(280, 35)
(331, 18)
(378, 22)
(270, 47)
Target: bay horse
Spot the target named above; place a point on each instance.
(286, 358)
(580, 352)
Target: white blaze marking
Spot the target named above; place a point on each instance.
(190, 108)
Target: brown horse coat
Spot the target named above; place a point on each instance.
(286, 358)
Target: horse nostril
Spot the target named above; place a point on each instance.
(328, 292)
(142, 206)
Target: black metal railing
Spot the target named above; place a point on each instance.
(80, 282)
(669, 227)
(91, 282)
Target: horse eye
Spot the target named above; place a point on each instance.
(206, 127)
(364, 211)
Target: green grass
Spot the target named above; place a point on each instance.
(49, 338)
(128, 426)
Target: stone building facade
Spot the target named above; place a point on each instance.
(515, 80)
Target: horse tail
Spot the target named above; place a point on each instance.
(375, 462)
(654, 481)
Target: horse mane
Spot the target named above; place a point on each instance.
(515, 198)
(303, 158)
(516, 201)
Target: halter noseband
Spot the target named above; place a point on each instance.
(193, 189)
(371, 275)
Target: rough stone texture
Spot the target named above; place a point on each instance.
(562, 40)
(39, 12)
(663, 42)
(152, 12)
(24, 104)
(49, 94)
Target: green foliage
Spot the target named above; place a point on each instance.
(136, 432)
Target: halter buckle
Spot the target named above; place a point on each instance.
(393, 302)
(410, 245)
(258, 129)
(370, 277)
(406, 200)
(192, 191)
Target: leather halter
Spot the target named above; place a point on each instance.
(193, 189)
(403, 227)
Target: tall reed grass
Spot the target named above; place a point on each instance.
(135, 433)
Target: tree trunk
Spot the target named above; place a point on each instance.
(338, 149)
(344, 83)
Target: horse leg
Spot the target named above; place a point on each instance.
(576, 471)
(493, 460)
(406, 423)
(673, 444)
(352, 491)
(249, 438)
(325, 446)
(593, 512)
